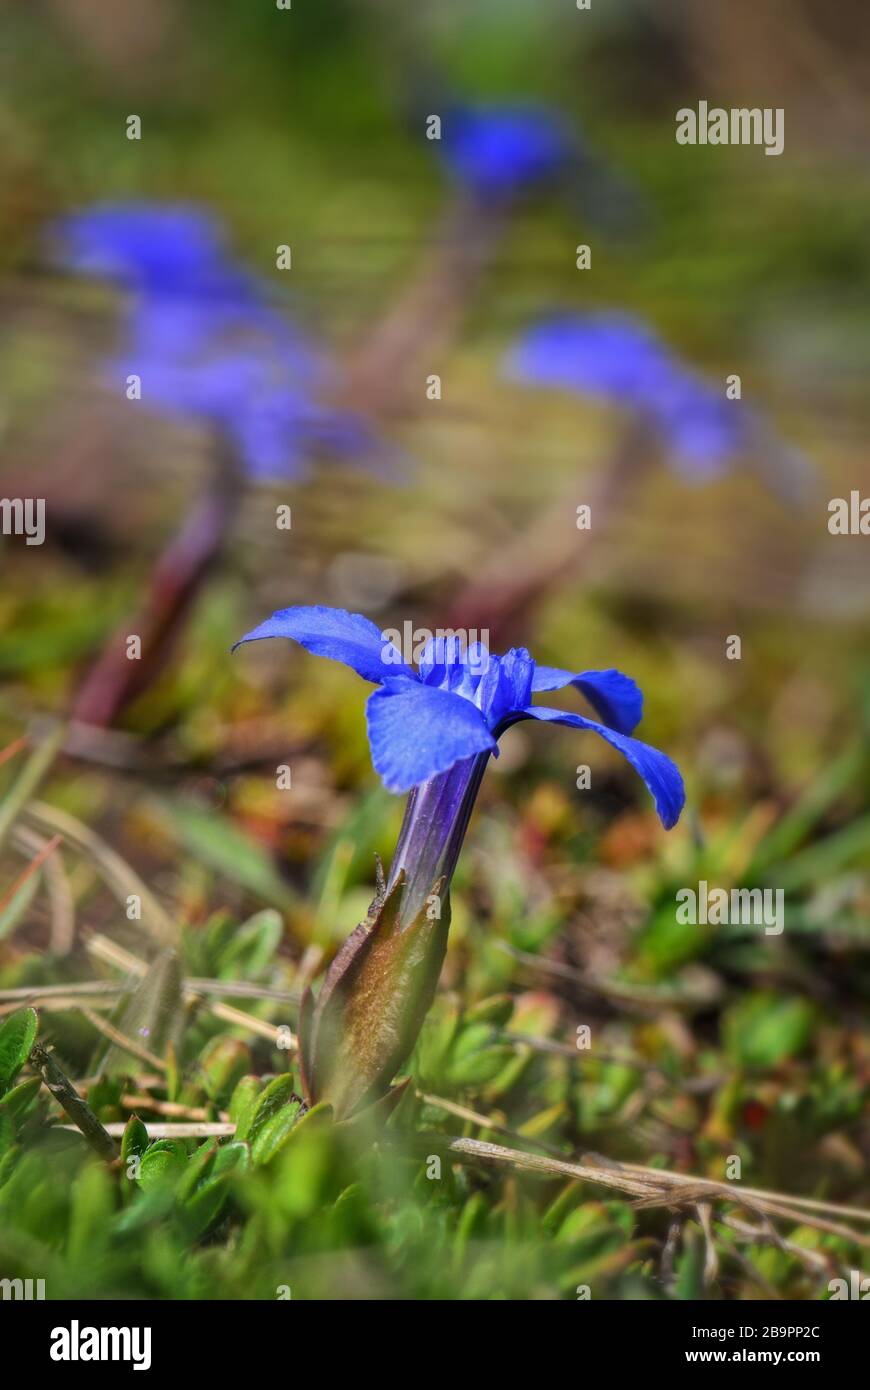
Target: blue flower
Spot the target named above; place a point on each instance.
(500, 152)
(432, 730)
(451, 710)
(205, 340)
(621, 361)
(142, 246)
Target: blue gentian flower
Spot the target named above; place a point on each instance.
(206, 341)
(142, 246)
(501, 152)
(621, 361)
(432, 729)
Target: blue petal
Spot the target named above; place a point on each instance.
(268, 437)
(274, 426)
(704, 431)
(339, 635)
(226, 316)
(616, 697)
(622, 361)
(661, 776)
(608, 355)
(203, 335)
(506, 687)
(439, 655)
(417, 731)
(143, 245)
(499, 152)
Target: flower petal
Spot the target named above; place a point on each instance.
(339, 635)
(704, 431)
(506, 687)
(616, 697)
(141, 244)
(439, 653)
(417, 731)
(661, 776)
(608, 355)
(499, 152)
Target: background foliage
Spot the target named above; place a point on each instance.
(304, 127)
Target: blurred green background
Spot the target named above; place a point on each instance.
(305, 127)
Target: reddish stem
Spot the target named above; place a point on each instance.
(173, 585)
(502, 597)
(388, 374)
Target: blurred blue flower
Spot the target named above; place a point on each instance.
(143, 246)
(623, 362)
(205, 340)
(456, 705)
(500, 152)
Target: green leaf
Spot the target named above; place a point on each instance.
(244, 1098)
(315, 1123)
(204, 1189)
(203, 1206)
(252, 946)
(153, 1013)
(767, 1028)
(689, 1266)
(561, 1207)
(58, 643)
(278, 1093)
(496, 1010)
(92, 1204)
(173, 1072)
(666, 943)
(825, 858)
(211, 1161)
(164, 1161)
(17, 1036)
(224, 1062)
(271, 1136)
(480, 1067)
(146, 1212)
(472, 1038)
(543, 1121)
(472, 1225)
(433, 1045)
(18, 904)
(134, 1140)
(232, 853)
(231, 1158)
(19, 1099)
(199, 1165)
(372, 1005)
(7, 1132)
(821, 792)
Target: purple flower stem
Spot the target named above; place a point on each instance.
(436, 818)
